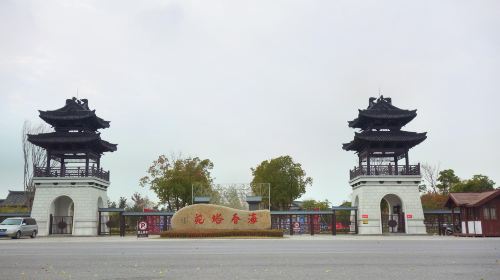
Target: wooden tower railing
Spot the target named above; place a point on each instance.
(78, 172)
(389, 170)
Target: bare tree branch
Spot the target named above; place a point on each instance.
(33, 156)
(431, 175)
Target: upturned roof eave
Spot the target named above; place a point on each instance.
(359, 143)
(365, 116)
(411, 136)
(52, 118)
(46, 139)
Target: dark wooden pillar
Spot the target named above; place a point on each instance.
(51, 220)
(360, 160)
(334, 223)
(453, 219)
(47, 170)
(466, 220)
(291, 224)
(407, 162)
(86, 165)
(311, 224)
(356, 221)
(368, 171)
(396, 165)
(99, 225)
(122, 224)
(62, 167)
(98, 163)
(440, 224)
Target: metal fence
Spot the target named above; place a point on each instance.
(117, 221)
(339, 220)
(441, 222)
(314, 224)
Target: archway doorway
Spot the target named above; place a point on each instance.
(392, 215)
(61, 215)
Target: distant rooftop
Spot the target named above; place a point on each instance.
(15, 198)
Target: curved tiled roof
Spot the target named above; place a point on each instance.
(74, 113)
(471, 199)
(381, 112)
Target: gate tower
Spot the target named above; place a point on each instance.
(385, 192)
(72, 185)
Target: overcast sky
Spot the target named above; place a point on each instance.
(240, 82)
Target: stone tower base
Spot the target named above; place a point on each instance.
(65, 197)
(398, 191)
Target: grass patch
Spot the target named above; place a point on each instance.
(222, 233)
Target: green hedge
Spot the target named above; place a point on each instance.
(222, 233)
(13, 209)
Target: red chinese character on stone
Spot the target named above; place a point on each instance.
(198, 219)
(235, 218)
(217, 218)
(252, 219)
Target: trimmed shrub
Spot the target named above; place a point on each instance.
(13, 209)
(222, 233)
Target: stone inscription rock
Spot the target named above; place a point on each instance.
(209, 217)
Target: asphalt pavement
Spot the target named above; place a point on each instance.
(305, 257)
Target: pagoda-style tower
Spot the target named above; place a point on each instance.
(72, 185)
(385, 192)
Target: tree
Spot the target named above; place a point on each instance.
(233, 198)
(172, 179)
(33, 156)
(478, 183)
(122, 202)
(431, 175)
(140, 202)
(447, 179)
(344, 216)
(311, 204)
(111, 204)
(431, 200)
(288, 180)
(230, 196)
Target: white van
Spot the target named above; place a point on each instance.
(17, 227)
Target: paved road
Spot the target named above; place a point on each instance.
(296, 258)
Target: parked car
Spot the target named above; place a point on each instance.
(17, 227)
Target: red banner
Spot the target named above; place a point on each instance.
(154, 222)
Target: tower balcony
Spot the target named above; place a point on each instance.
(72, 172)
(385, 170)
